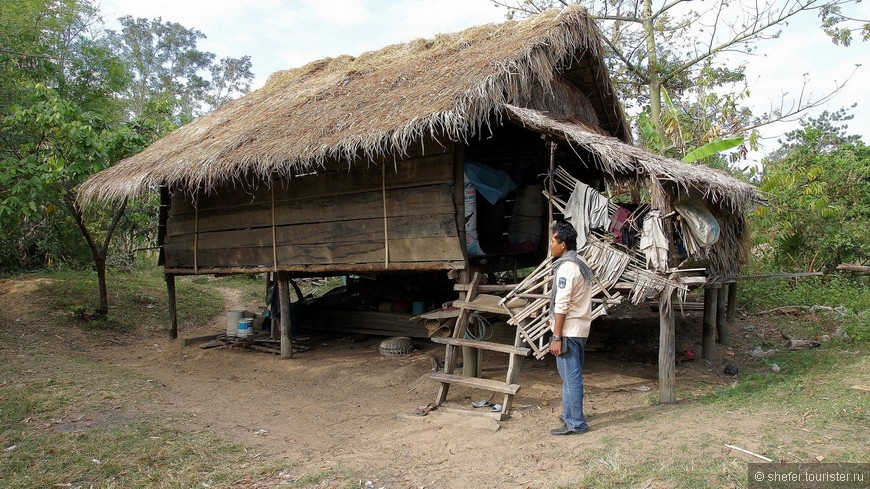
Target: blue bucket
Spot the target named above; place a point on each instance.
(245, 327)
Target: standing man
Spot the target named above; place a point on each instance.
(570, 313)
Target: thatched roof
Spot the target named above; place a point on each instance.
(380, 102)
(620, 160)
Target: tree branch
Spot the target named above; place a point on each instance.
(619, 18)
(116, 218)
(798, 106)
(667, 7)
(755, 29)
(637, 71)
(77, 214)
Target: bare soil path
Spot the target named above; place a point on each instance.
(343, 406)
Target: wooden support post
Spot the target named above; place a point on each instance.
(708, 339)
(721, 324)
(173, 310)
(459, 196)
(472, 361)
(667, 349)
(732, 303)
(284, 299)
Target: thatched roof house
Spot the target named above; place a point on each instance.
(360, 166)
(486, 93)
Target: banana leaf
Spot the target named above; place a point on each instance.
(649, 132)
(712, 148)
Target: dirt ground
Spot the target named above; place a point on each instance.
(344, 406)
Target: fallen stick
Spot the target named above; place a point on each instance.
(798, 344)
(762, 457)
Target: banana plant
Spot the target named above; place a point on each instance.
(673, 125)
(712, 148)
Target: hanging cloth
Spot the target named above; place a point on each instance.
(586, 209)
(619, 218)
(653, 242)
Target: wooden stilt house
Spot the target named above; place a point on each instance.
(359, 165)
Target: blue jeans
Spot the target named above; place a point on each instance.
(570, 366)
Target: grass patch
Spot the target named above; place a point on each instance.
(814, 372)
(814, 389)
(340, 477)
(146, 453)
(835, 290)
(135, 299)
(65, 419)
(606, 469)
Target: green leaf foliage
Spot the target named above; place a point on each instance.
(819, 187)
(713, 148)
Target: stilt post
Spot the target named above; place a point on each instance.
(667, 350)
(284, 300)
(173, 310)
(721, 324)
(708, 337)
(732, 303)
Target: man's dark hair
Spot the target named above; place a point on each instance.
(565, 233)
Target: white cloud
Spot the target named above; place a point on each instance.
(337, 12)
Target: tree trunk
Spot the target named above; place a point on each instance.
(98, 252)
(100, 262)
(655, 85)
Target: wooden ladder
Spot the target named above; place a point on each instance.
(516, 353)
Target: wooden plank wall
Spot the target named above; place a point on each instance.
(334, 217)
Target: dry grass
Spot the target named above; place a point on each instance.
(451, 87)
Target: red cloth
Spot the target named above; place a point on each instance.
(616, 222)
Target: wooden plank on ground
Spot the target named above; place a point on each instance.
(199, 339)
(496, 415)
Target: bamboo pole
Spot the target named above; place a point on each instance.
(552, 184)
(274, 230)
(386, 231)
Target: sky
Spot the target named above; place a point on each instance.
(282, 34)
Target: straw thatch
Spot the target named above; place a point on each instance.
(379, 103)
(545, 73)
(620, 161)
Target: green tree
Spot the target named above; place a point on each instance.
(55, 56)
(172, 77)
(818, 183)
(48, 44)
(75, 99)
(651, 49)
(59, 146)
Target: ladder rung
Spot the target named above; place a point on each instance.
(483, 345)
(485, 384)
